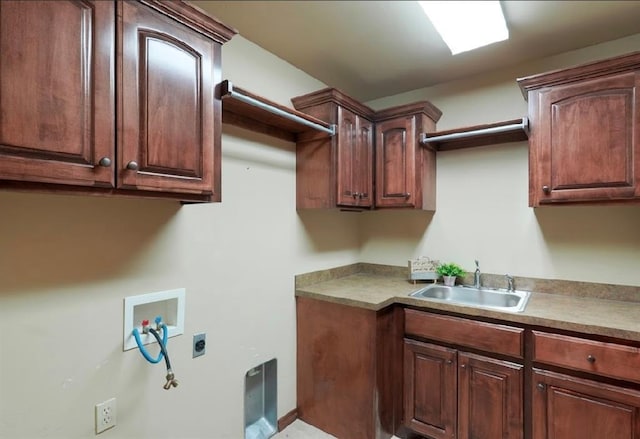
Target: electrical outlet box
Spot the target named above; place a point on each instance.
(169, 305)
(199, 344)
(105, 415)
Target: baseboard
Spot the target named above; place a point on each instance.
(287, 419)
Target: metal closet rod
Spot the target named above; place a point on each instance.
(524, 125)
(230, 92)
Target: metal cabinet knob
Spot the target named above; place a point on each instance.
(546, 189)
(133, 166)
(105, 162)
(591, 359)
(407, 195)
(449, 362)
(540, 386)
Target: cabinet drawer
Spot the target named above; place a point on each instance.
(609, 359)
(500, 339)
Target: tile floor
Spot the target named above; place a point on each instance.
(302, 430)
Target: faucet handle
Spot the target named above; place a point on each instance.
(510, 285)
(477, 264)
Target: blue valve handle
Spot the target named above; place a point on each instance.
(143, 350)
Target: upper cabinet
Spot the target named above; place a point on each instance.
(375, 159)
(335, 171)
(57, 92)
(138, 119)
(405, 171)
(585, 133)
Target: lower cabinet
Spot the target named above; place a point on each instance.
(566, 407)
(456, 394)
(348, 369)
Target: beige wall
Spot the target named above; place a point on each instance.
(482, 205)
(66, 263)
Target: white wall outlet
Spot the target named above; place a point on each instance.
(105, 415)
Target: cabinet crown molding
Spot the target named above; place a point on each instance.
(332, 95)
(425, 107)
(581, 72)
(195, 18)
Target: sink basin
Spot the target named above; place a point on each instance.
(503, 300)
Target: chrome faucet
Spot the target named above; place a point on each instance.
(510, 285)
(476, 276)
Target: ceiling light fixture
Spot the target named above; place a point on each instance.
(467, 25)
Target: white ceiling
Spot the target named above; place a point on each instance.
(371, 49)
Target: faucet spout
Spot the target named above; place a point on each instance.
(477, 283)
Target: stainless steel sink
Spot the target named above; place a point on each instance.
(503, 300)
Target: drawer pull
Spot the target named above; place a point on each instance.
(591, 359)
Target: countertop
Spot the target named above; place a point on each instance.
(377, 289)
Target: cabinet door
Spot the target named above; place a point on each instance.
(168, 112)
(396, 162)
(565, 407)
(354, 160)
(430, 389)
(489, 398)
(57, 92)
(586, 143)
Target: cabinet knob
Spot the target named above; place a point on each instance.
(540, 386)
(463, 365)
(105, 162)
(546, 189)
(591, 359)
(407, 195)
(449, 362)
(363, 195)
(133, 166)
(355, 194)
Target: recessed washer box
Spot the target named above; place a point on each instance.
(167, 304)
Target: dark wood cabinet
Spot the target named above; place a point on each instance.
(138, 119)
(405, 172)
(348, 171)
(169, 124)
(349, 369)
(430, 383)
(335, 171)
(354, 160)
(585, 133)
(490, 398)
(450, 393)
(566, 407)
(57, 92)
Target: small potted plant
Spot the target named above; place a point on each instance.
(449, 272)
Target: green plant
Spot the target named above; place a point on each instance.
(450, 269)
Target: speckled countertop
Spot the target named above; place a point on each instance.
(575, 306)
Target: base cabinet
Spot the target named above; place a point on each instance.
(565, 407)
(455, 394)
(348, 369)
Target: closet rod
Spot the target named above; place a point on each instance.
(524, 125)
(229, 92)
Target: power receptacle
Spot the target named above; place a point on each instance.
(105, 415)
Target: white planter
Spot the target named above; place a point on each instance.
(449, 280)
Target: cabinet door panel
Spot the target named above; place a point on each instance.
(395, 163)
(168, 106)
(588, 146)
(57, 91)
(489, 398)
(430, 389)
(570, 408)
(354, 161)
